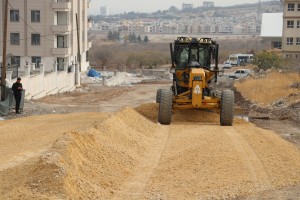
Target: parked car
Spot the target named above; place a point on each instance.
(241, 73)
(226, 65)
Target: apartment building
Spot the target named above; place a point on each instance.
(291, 29)
(46, 32)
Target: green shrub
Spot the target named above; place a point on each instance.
(267, 60)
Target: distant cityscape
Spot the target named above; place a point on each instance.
(208, 19)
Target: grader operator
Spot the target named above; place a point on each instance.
(192, 75)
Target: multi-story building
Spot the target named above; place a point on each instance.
(208, 4)
(291, 29)
(104, 11)
(186, 6)
(46, 32)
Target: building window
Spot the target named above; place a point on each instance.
(35, 39)
(87, 56)
(289, 56)
(14, 15)
(60, 64)
(61, 41)
(291, 7)
(298, 24)
(35, 16)
(277, 45)
(289, 41)
(15, 38)
(15, 61)
(290, 23)
(298, 9)
(36, 60)
(297, 41)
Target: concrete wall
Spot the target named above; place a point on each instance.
(41, 84)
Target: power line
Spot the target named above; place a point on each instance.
(41, 36)
(27, 23)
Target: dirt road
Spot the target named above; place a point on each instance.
(113, 154)
(127, 156)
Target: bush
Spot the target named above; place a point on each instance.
(267, 60)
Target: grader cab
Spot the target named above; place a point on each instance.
(193, 73)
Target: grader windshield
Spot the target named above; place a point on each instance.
(197, 53)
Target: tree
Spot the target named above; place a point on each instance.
(139, 39)
(146, 38)
(110, 35)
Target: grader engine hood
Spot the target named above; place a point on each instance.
(196, 85)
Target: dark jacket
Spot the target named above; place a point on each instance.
(15, 89)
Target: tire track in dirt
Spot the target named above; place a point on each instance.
(134, 187)
(252, 162)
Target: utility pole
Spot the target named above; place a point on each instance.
(78, 42)
(3, 72)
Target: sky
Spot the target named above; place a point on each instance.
(121, 6)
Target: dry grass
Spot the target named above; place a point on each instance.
(269, 89)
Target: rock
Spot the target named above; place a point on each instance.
(295, 85)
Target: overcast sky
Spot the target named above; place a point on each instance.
(121, 6)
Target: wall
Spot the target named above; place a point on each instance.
(41, 84)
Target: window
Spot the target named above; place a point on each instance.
(15, 38)
(289, 41)
(277, 45)
(298, 7)
(297, 41)
(35, 39)
(87, 56)
(35, 16)
(298, 24)
(291, 7)
(60, 64)
(61, 41)
(37, 60)
(290, 23)
(14, 15)
(15, 61)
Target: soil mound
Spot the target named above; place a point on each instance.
(127, 156)
(88, 165)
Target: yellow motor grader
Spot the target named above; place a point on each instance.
(193, 72)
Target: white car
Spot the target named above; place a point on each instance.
(240, 73)
(226, 65)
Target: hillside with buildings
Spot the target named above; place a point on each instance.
(240, 19)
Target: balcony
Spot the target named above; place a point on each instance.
(61, 6)
(61, 52)
(61, 28)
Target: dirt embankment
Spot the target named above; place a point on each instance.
(271, 96)
(127, 156)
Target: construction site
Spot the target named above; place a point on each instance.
(106, 142)
(158, 119)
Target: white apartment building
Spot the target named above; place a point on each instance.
(291, 29)
(45, 31)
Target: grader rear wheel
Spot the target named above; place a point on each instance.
(165, 107)
(227, 107)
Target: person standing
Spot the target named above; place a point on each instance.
(17, 89)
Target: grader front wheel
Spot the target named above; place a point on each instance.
(227, 108)
(158, 94)
(165, 107)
